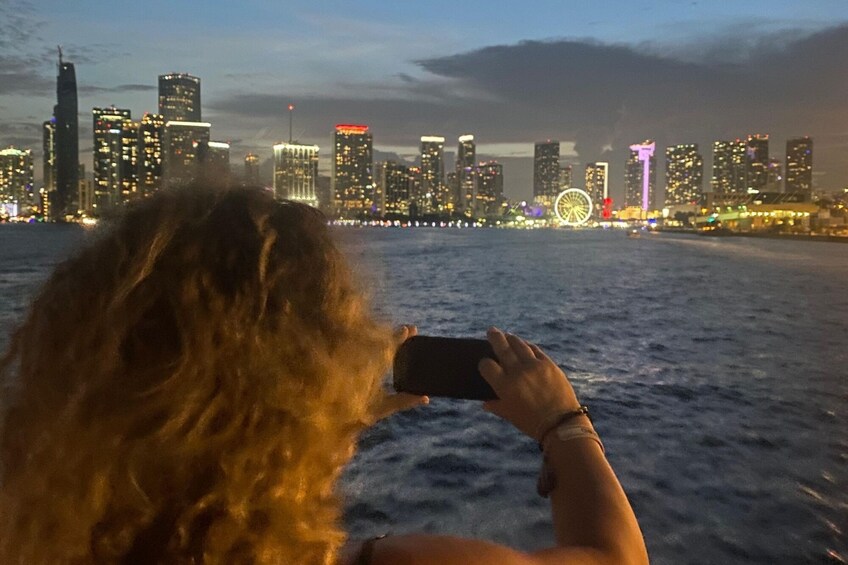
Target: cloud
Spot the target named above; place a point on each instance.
(87, 89)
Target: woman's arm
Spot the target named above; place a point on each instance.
(593, 521)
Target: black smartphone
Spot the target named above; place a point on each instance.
(443, 366)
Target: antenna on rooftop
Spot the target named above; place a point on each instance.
(291, 112)
(59, 47)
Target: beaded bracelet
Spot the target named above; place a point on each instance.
(563, 418)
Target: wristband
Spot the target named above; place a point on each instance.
(547, 479)
(562, 419)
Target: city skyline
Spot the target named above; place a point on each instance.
(457, 83)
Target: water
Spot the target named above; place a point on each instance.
(715, 370)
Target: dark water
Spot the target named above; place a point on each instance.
(716, 370)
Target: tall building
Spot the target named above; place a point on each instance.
(48, 162)
(251, 169)
(799, 165)
(546, 172)
(394, 183)
(16, 181)
(466, 158)
(296, 172)
(216, 159)
(436, 196)
(151, 137)
(597, 184)
(183, 148)
(774, 175)
(67, 140)
(729, 167)
(640, 175)
(129, 160)
(684, 174)
(417, 196)
(565, 177)
(179, 97)
(110, 170)
(489, 191)
(353, 184)
(756, 162)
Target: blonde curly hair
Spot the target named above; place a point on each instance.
(187, 389)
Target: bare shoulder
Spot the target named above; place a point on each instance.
(422, 549)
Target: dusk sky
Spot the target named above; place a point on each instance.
(597, 76)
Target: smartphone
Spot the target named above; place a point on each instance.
(443, 366)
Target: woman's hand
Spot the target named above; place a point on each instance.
(532, 390)
(391, 403)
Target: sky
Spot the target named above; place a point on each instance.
(597, 76)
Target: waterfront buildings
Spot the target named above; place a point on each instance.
(466, 158)
(434, 193)
(684, 174)
(183, 147)
(251, 169)
(393, 180)
(179, 97)
(416, 194)
(640, 175)
(756, 162)
(353, 184)
(48, 155)
(565, 177)
(729, 167)
(488, 177)
(115, 156)
(774, 175)
(546, 172)
(16, 181)
(296, 172)
(799, 165)
(67, 140)
(597, 185)
(151, 134)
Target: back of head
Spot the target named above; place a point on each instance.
(187, 388)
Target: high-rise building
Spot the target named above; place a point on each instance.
(251, 169)
(597, 184)
(48, 162)
(436, 196)
(640, 175)
(394, 183)
(799, 165)
(16, 181)
(179, 97)
(684, 174)
(216, 159)
(110, 167)
(466, 157)
(417, 197)
(130, 160)
(151, 137)
(67, 140)
(565, 177)
(489, 191)
(353, 184)
(774, 175)
(729, 167)
(183, 149)
(756, 162)
(296, 172)
(546, 172)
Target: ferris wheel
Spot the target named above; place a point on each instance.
(573, 207)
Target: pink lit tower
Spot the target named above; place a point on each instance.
(640, 175)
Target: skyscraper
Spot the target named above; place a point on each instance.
(565, 177)
(251, 169)
(466, 157)
(151, 134)
(597, 185)
(110, 168)
(640, 175)
(799, 164)
(756, 162)
(729, 167)
(48, 147)
(296, 172)
(67, 140)
(774, 175)
(684, 174)
(353, 185)
(489, 180)
(216, 159)
(16, 180)
(546, 172)
(179, 97)
(436, 197)
(394, 182)
(183, 148)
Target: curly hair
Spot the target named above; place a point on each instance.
(187, 389)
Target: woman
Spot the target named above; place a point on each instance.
(189, 386)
